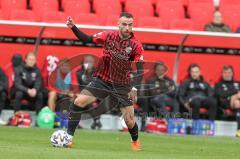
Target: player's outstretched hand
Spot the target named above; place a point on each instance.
(70, 23)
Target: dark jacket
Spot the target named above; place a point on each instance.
(164, 85)
(191, 89)
(3, 81)
(217, 28)
(84, 77)
(26, 78)
(225, 89)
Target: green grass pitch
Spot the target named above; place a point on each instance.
(34, 143)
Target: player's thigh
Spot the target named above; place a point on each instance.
(128, 115)
(84, 98)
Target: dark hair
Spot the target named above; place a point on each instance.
(17, 60)
(126, 14)
(190, 67)
(228, 67)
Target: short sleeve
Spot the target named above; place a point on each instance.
(139, 53)
(99, 38)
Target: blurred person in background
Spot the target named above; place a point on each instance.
(162, 89)
(227, 92)
(217, 24)
(195, 93)
(3, 93)
(10, 71)
(28, 84)
(16, 60)
(60, 85)
(84, 77)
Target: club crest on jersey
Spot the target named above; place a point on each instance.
(98, 34)
(128, 50)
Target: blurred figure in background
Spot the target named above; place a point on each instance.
(60, 85)
(217, 24)
(195, 93)
(3, 93)
(16, 60)
(84, 77)
(227, 92)
(163, 90)
(28, 84)
(84, 74)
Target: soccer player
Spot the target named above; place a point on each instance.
(112, 76)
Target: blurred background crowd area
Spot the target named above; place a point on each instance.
(161, 14)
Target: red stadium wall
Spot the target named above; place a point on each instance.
(211, 63)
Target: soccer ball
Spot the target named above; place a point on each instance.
(60, 139)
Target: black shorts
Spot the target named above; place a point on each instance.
(118, 93)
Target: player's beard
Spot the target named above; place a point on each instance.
(125, 34)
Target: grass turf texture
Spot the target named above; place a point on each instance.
(34, 143)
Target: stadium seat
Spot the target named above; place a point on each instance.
(141, 9)
(23, 15)
(90, 19)
(40, 6)
(134, 2)
(207, 6)
(232, 18)
(233, 8)
(9, 5)
(73, 8)
(224, 3)
(99, 4)
(104, 10)
(2, 16)
(53, 16)
(171, 10)
(64, 2)
(111, 20)
(190, 2)
(201, 17)
(161, 3)
(152, 22)
(183, 24)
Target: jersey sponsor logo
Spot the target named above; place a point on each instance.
(122, 53)
(128, 49)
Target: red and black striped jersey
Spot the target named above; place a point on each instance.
(117, 57)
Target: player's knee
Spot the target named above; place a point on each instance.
(130, 122)
(80, 102)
